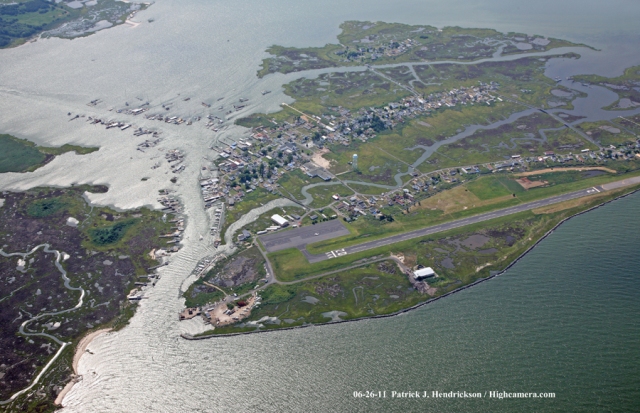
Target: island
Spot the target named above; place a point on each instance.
(414, 162)
(25, 20)
(21, 155)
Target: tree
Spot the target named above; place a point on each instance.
(377, 124)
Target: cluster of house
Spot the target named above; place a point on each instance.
(622, 152)
(366, 122)
(375, 50)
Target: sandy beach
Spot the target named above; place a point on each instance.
(80, 350)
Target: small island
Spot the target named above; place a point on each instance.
(415, 169)
(21, 155)
(24, 20)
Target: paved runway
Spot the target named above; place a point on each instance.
(472, 220)
(299, 237)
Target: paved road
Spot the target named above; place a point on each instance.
(471, 220)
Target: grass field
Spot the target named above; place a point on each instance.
(290, 265)
(250, 201)
(237, 273)
(293, 181)
(322, 194)
(609, 132)
(367, 189)
(378, 288)
(20, 155)
(490, 145)
(480, 195)
(567, 139)
(459, 257)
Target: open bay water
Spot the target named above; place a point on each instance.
(562, 320)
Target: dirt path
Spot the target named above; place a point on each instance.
(587, 168)
(215, 286)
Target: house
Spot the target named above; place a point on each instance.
(244, 235)
(423, 273)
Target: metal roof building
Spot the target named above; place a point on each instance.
(423, 273)
(279, 220)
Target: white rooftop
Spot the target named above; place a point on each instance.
(424, 272)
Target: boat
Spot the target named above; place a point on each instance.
(264, 92)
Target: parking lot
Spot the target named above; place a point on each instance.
(299, 237)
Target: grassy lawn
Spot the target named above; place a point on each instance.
(367, 189)
(293, 181)
(322, 195)
(250, 201)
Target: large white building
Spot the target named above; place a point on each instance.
(425, 272)
(279, 220)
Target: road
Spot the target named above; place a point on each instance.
(471, 220)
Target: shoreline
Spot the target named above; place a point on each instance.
(81, 348)
(429, 301)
